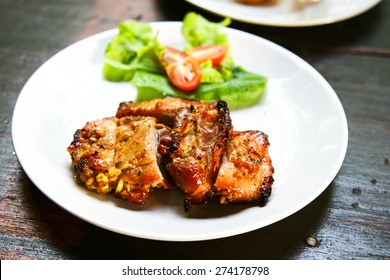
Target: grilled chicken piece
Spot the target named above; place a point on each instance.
(193, 151)
(246, 171)
(119, 154)
(164, 109)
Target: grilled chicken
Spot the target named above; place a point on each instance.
(164, 109)
(194, 150)
(246, 171)
(173, 142)
(119, 154)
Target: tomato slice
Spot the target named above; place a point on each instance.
(171, 55)
(182, 70)
(214, 52)
(185, 74)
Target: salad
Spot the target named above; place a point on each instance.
(203, 70)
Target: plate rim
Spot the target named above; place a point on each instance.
(308, 23)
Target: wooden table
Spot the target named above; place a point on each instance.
(349, 220)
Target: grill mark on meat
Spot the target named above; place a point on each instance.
(194, 150)
(163, 109)
(246, 171)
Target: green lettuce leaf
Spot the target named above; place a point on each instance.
(133, 49)
(242, 90)
(152, 85)
(198, 31)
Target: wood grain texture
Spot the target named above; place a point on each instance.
(349, 220)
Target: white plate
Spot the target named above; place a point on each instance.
(289, 13)
(300, 112)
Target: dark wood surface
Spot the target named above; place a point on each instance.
(349, 220)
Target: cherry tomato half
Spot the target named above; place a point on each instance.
(214, 52)
(171, 55)
(182, 70)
